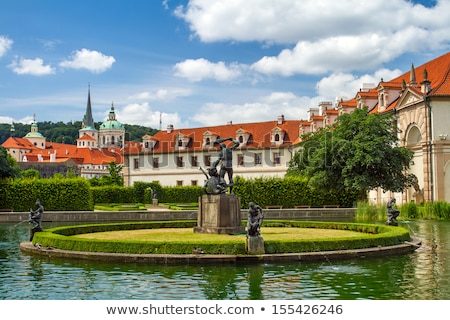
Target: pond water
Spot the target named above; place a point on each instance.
(424, 274)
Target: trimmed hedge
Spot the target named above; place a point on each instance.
(55, 194)
(372, 236)
(288, 192)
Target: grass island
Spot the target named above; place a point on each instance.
(175, 242)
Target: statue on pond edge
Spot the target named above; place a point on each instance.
(35, 219)
(392, 213)
(254, 220)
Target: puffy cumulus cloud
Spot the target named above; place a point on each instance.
(162, 94)
(5, 45)
(91, 60)
(33, 67)
(341, 53)
(288, 21)
(345, 85)
(201, 69)
(328, 36)
(142, 114)
(267, 108)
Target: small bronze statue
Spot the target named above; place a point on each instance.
(392, 213)
(226, 157)
(214, 183)
(35, 219)
(254, 220)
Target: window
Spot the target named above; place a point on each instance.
(241, 139)
(136, 163)
(155, 163)
(193, 182)
(276, 158)
(208, 141)
(179, 182)
(180, 163)
(112, 140)
(258, 158)
(240, 160)
(180, 143)
(207, 161)
(277, 137)
(146, 144)
(194, 161)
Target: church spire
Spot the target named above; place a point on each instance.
(412, 77)
(88, 120)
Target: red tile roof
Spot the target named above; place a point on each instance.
(260, 136)
(438, 74)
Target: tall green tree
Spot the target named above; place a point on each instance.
(8, 165)
(360, 152)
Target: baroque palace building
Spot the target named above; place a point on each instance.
(419, 101)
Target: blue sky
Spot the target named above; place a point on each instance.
(205, 62)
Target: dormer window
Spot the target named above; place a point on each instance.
(243, 136)
(182, 141)
(148, 142)
(277, 136)
(208, 138)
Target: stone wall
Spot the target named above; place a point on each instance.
(328, 214)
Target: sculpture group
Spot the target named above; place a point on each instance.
(215, 180)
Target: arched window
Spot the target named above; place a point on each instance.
(277, 137)
(414, 136)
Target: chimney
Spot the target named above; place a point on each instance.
(324, 105)
(280, 119)
(169, 128)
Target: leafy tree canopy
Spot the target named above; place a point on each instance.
(8, 165)
(359, 152)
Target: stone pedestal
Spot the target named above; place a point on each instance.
(219, 214)
(255, 245)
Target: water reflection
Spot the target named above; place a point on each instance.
(423, 274)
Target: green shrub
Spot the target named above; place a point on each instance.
(114, 193)
(289, 192)
(55, 194)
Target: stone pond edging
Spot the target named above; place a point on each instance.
(406, 247)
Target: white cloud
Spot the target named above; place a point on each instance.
(33, 67)
(6, 119)
(202, 69)
(346, 85)
(162, 94)
(91, 60)
(142, 114)
(328, 36)
(5, 45)
(267, 108)
(289, 21)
